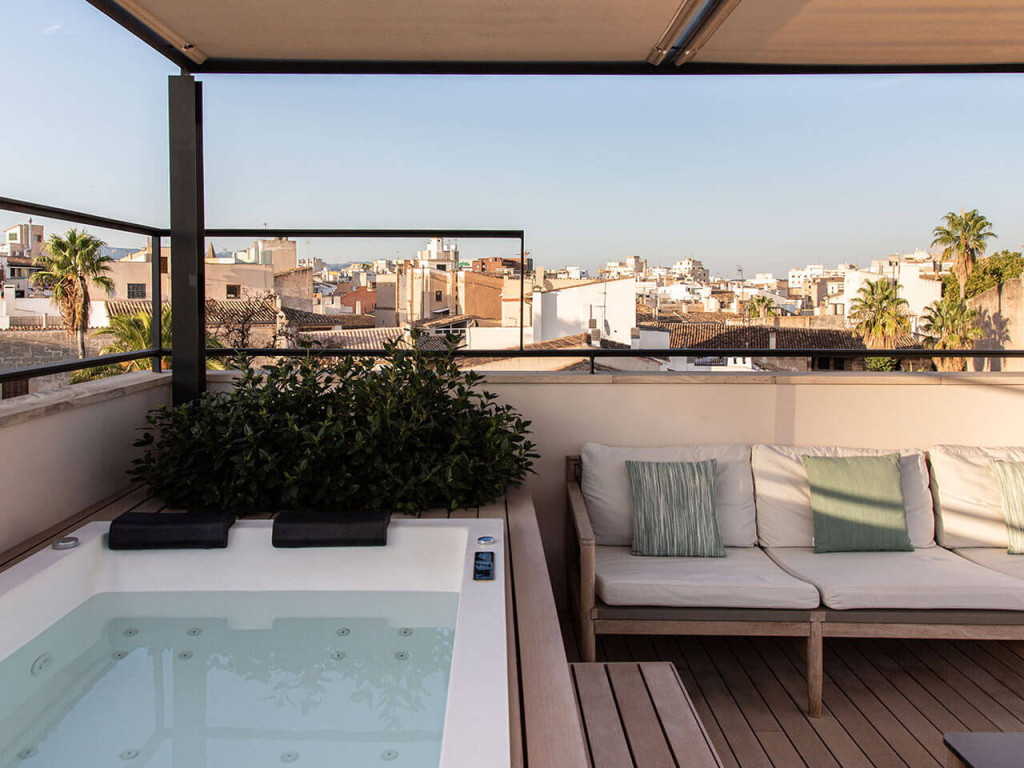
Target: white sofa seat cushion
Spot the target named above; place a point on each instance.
(968, 499)
(744, 578)
(605, 486)
(995, 559)
(932, 578)
(784, 515)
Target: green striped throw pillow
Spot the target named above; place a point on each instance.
(857, 503)
(1010, 475)
(674, 509)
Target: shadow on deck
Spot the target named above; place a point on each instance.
(886, 702)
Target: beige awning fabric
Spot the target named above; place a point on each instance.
(870, 33)
(633, 35)
(410, 30)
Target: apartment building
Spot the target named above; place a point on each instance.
(691, 269)
(22, 240)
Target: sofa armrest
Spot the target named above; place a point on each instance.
(582, 571)
(580, 518)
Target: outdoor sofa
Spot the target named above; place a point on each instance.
(957, 582)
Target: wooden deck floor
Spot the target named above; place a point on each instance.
(887, 702)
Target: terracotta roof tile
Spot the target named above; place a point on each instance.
(301, 318)
(354, 321)
(360, 338)
(576, 341)
(443, 321)
(255, 311)
(22, 261)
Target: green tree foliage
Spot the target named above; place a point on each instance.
(762, 306)
(70, 263)
(881, 364)
(963, 239)
(880, 315)
(949, 324)
(994, 270)
(407, 434)
(133, 332)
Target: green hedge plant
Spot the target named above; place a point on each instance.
(408, 434)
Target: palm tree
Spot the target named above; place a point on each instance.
(70, 263)
(880, 313)
(950, 325)
(133, 332)
(762, 306)
(963, 238)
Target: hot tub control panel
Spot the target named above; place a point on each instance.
(483, 566)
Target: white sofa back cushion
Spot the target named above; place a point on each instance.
(968, 501)
(605, 486)
(784, 516)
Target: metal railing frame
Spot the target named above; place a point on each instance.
(395, 234)
(592, 354)
(156, 351)
(156, 234)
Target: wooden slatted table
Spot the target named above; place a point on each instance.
(639, 714)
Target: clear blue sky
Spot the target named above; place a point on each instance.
(763, 172)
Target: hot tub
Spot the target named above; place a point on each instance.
(257, 656)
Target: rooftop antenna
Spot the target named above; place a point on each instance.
(739, 268)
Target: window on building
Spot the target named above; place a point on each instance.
(136, 290)
(12, 237)
(234, 292)
(437, 295)
(39, 238)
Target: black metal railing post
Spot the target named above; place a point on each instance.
(522, 289)
(158, 300)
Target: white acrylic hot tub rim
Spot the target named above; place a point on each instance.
(421, 556)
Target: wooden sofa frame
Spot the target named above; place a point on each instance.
(593, 617)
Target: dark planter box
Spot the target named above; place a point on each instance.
(331, 528)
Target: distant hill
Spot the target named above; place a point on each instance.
(346, 265)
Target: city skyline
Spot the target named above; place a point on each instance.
(768, 173)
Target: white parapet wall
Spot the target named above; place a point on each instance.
(63, 450)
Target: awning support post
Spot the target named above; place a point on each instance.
(188, 235)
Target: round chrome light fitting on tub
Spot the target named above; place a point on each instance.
(118, 655)
(389, 755)
(26, 753)
(486, 541)
(129, 754)
(68, 542)
(338, 655)
(289, 757)
(405, 631)
(194, 631)
(344, 632)
(185, 655)
(39, 665)
(401, 655)
(130, 632)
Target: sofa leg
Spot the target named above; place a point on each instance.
(588, 640)
(815, 669)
